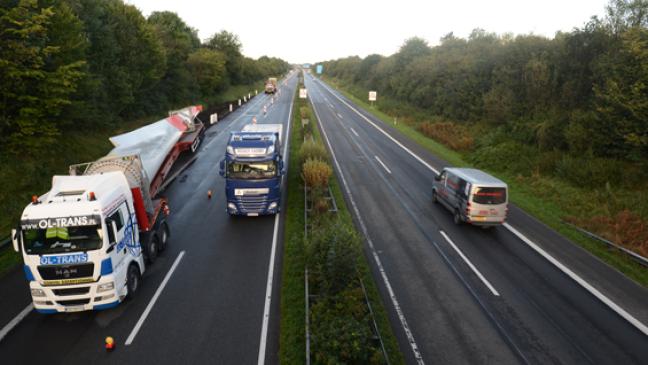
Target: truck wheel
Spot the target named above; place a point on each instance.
(164, 237)
(133, 277)
(435, 199)
(151, 249)
(457, 217)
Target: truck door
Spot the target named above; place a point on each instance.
(120, 218)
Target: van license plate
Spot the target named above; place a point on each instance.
(253, 214)
(75, 308)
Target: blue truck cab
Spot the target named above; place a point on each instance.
(253, 167)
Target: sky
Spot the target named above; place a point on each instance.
(311, 31)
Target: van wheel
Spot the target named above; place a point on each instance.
(435, 199)
(133, 277)
(151, 249)
(457, 217)
(164, 237)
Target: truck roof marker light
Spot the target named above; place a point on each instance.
(35, 199)
(91, 196)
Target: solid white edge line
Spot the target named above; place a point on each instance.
(268, 297)
(382, 164)
(14, 322)
(159, 290)
(381, 130)
(612, 305)
(354, 132)
(470, 264)
(381, 269)
(615, 307)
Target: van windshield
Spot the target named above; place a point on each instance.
(489, 195)
(62, 239)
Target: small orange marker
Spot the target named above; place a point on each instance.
(110, 343)
(209, 194)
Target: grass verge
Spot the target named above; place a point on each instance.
(548, 200)
(292, 341)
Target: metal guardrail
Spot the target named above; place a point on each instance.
(633, 255)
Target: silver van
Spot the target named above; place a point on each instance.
(473, 196)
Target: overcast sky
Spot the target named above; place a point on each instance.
(310, 31)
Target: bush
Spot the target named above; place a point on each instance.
(506, 157)
(311, 150)
(304, 111)
(452, 135)
(588, 171)
(624, 228)
(316, 174)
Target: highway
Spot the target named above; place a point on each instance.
(211, 297)
(519, 293)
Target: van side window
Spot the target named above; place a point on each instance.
(453, 182)
(461, 188)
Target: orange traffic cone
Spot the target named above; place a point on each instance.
(110, 343)
(209, 194)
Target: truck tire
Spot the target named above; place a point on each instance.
(133, 279)
(152, 249)
(457, 217)
(164, 237)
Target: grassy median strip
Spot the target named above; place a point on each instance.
(341, 326)
(549, 200)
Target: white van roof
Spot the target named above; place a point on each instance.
(477, 177)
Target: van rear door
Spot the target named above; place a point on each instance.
(488, 204)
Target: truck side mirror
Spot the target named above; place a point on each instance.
(282, 170)
(437, 178)
(222, 168)
(15, 239)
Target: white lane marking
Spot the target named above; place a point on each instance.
(339, 116)
(354, 132)
(159, 290)
(374, 253)
(382, 164)
(615, 307)
(331, 106)
(587, 286)
(268, 298)
(470, 264)
(14, 322)
(382, 131)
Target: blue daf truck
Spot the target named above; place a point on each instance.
(252, 168)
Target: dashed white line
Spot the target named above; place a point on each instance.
(399, 311)
(382, 164)
(470, 264)
(338, 115)
(159, 290)
(268, 297)
(354, 132)
(592, 290)
(14, 322)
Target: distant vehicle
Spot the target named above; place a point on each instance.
(271, 86)
(472, 195)
(252, 168)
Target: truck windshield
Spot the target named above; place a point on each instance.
(252, 170)
(489, 195)
(62, 239)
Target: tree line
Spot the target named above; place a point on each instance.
(86, 64)
(581, 95)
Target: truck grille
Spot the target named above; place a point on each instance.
(252, 204)
(71, 291)
(61, 272)
(74, 302)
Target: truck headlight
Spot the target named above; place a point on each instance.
(230, 150)
(270, 150)
(232, 206)
(37, 293)
(105, 287)
(272, 206)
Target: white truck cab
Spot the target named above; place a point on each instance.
(80, 244)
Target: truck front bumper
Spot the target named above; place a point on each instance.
(236, 208)
(75, 298)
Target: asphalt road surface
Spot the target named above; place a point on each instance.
(206, 299)
(518, 293)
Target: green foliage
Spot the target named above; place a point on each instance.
(209, 68)
(316, 173)
(312, 150)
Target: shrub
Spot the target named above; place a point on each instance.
(305, 112)
(508, 156)
(316, 173)
(452, 135)
(311, 150)
(589, 171)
